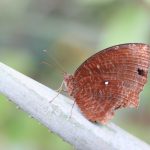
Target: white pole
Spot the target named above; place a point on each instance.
(34, 98)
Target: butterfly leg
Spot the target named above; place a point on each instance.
(59, 91)
(71, 110)
(61, 87)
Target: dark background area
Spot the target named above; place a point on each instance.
(70, 32)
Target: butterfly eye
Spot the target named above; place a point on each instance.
(141, 72)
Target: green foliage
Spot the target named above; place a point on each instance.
(70, 31)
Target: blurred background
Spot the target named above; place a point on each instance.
(69, 31)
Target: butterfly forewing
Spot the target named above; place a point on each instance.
(111, 79)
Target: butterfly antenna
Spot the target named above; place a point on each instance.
(55, 62)
(60, 89)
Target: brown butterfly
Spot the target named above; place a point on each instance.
(109, 80)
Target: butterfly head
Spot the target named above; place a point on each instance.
(68, 81)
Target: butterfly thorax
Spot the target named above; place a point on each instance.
(68, 80)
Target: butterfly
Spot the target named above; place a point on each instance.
(109, 80)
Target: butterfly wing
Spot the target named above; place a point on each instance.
(111, 79)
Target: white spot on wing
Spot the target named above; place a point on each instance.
(90, 72)
(145, 47)
(116, 47)
(106, 82)
(98, 66)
